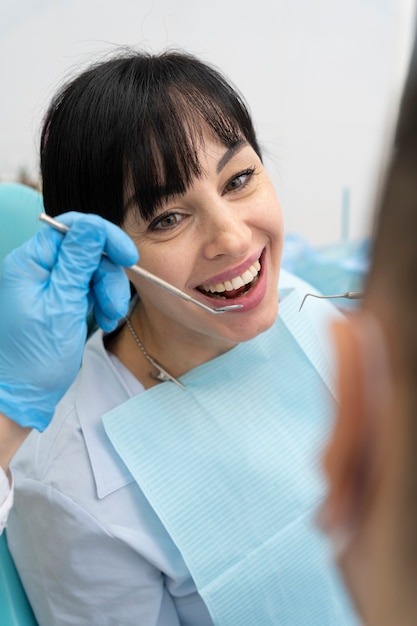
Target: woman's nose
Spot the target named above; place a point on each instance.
(226, 232)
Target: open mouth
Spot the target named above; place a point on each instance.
(236, 286)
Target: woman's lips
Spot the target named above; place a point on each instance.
(250, 295)
(234, 272)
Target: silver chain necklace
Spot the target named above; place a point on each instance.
(161, 375)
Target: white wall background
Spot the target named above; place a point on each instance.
(321, 77)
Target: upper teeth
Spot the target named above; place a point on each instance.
(235, 283)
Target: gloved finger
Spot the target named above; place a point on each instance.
(80, 255)
(81, 252)
(106, 323)
(117, 244)
(111, 291)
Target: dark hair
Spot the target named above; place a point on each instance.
(393, 273)
(392, 291)
(130, 127)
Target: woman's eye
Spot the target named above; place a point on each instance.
(239, 181)
(165, 222)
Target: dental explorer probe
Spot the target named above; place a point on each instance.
(350, 295)
(63, 228)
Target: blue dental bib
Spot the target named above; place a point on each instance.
(231, 467)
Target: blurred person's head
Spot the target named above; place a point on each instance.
(371, 461)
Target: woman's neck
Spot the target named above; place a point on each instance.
(178, 350)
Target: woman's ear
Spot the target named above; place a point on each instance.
(351, 458)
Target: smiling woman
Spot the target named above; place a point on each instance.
(185, 504)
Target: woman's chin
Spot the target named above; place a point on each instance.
(255, 322)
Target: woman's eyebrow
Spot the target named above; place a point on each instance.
(230, 152)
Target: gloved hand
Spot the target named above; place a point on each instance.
(47, 288)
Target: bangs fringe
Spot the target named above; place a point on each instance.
(167, 161)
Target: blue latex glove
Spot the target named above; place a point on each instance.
(47, 288)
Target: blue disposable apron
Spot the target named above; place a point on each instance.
(231, 467)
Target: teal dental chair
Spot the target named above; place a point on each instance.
(14, 606)
(20, 207)
(19, 210)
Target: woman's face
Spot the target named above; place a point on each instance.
(220, 242)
